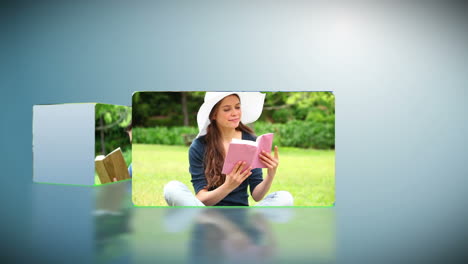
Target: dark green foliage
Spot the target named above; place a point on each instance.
(152, 109)
(162, 135)
(283, 115)
(281, 107)
(301, 134)
(298, 119)
(110, 123)
(114, 138)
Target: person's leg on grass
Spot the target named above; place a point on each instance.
(178, 194)
(279, 198)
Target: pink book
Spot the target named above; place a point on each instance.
(248, 151)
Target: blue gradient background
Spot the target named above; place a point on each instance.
(399, 73)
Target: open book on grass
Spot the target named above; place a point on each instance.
(111, 166)
(248, 151)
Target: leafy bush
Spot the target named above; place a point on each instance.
(282, 107)
(114, 137)
(301, 134)
(282, 115)
(162, 135)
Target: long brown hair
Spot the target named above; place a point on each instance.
(214, 154)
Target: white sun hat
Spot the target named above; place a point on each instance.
(251, 106)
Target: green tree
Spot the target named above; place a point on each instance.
(152, 109)
(110, 120)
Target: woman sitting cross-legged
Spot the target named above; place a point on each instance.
(221, 118)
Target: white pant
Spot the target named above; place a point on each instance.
(178, 194)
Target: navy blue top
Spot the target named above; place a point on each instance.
(239, 196)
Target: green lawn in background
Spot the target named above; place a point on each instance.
(308, 174)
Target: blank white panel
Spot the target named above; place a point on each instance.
(63, 143)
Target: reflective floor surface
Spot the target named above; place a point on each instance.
(100, 224)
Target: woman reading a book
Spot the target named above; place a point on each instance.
(222, 118)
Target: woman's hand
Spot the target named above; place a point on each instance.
(270, 161)
(233, 180)
(237, 175)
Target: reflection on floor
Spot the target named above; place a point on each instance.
(100, 224)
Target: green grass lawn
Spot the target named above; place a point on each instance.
(308, 174)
